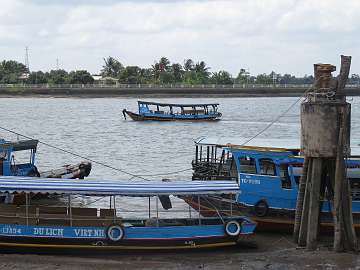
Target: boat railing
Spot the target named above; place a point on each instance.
(78, 216)
(169, 85)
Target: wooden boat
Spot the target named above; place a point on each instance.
(10, 165)
(13, 163)
(171, 112)
(268, 180)
(71, 228)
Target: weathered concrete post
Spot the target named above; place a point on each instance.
(325, 141)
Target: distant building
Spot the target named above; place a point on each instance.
(104, 80)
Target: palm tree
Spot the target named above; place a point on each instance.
(112, 68)
(188, 65)
(177, 72)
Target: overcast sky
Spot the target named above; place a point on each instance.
(280, 35)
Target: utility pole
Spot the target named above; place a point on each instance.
(27, 59)
(325, 142)
(57, 63)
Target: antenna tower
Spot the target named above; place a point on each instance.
(27, 58)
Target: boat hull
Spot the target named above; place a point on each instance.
(138, 117)
(275, 220)
(85, 239)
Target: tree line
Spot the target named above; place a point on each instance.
(161, 72)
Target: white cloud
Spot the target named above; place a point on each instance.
(286, 36)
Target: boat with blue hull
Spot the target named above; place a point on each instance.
(72, 228)
(17, 158)
(268, 180)
(154, 111)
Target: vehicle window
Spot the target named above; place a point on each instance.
(267, 166)
(247, 165)
(284, 176)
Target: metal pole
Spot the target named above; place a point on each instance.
(199, 210)
(114, 209)
(70, 212)
(110, 203)
(27, 208)
(157, 211)
(149, 208)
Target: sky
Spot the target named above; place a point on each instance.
(285, 36)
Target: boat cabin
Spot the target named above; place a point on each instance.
(264, 174)
(150, 108)
(23, 162)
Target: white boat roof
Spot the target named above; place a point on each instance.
(15, 184)
(259, 143)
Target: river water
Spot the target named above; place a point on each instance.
(95, 128)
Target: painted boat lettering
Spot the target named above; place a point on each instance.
(89, 233)
(11, 230)
(48, 231)
(190, 243)
(250, 181)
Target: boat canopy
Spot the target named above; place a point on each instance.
(13, 184)
(177, 105)
(20, 145)
(238, 142)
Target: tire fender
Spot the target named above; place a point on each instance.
(261, 208)
(115, 232)
(232, 228)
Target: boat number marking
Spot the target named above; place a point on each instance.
(10, 230)
(190, 243)
(250, 181)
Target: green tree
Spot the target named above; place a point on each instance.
(222, 77)
(58, 76)
(80, 77)
(161, 71)
(263, 79)
(243, 76)
(38, 77)
(10, 71)
(111, 68)
(188, 65)
(177, 72)
(131, 75)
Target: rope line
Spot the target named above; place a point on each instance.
(277, 118)
(75, 154)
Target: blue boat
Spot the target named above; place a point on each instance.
(72, 228)
(13, 163)
(154, 111)
(268, 179)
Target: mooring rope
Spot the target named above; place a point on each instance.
(75, 154)
(281, 115)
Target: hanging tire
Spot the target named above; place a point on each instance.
(115, 233)
(261, 208)
(232, 228)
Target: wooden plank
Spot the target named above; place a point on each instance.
(314, 210)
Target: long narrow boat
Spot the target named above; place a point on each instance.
(72, 228)
(268, 180)
(148, 111)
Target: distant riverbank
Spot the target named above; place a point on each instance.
(196, 91)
